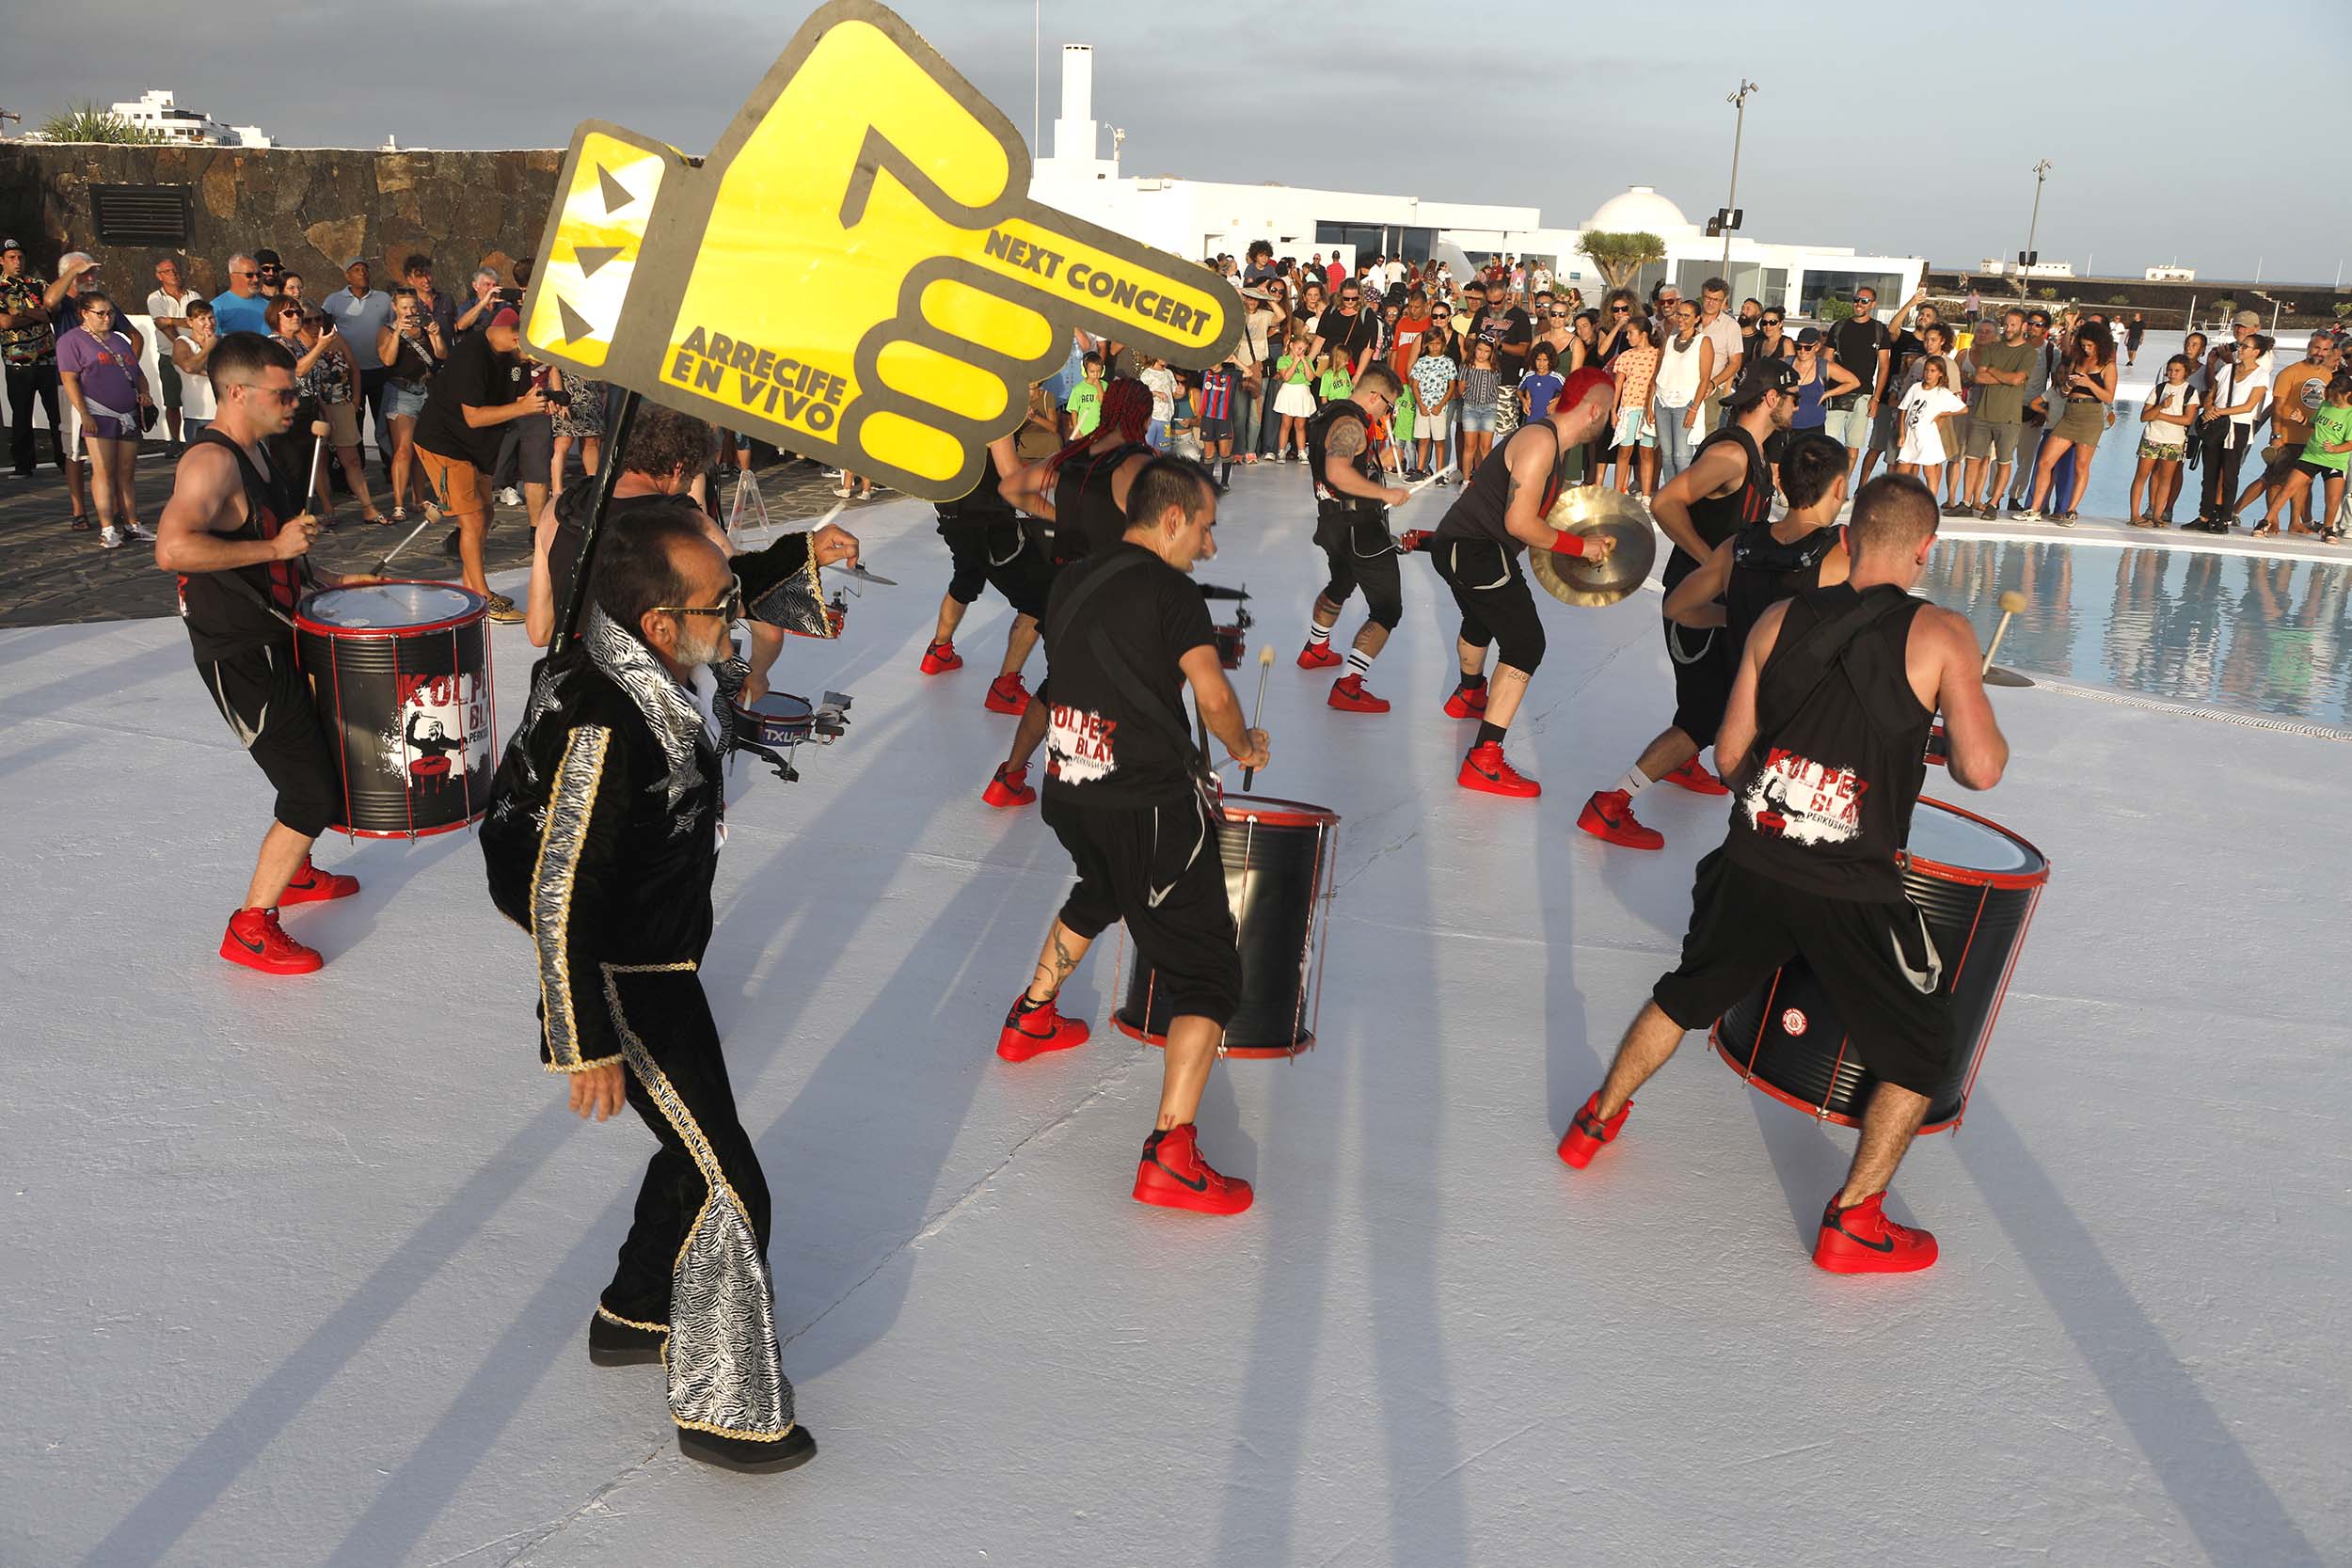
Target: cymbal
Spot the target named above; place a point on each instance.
(1589, 511)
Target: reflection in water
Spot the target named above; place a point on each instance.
(2245, 632)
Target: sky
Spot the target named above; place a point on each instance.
(1537, 103)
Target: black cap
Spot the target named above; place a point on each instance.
(1770, 375)
(266, 258)
(1809, 338)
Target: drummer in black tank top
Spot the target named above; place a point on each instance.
(1766, 563)
(1727, 487)
(1822, 746)
(985, 544)
(1500, 516)
(236, 535)
(1080, 496)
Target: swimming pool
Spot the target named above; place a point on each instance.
(2235, 631)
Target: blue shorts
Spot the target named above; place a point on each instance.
(1478, 418)
(404, 400)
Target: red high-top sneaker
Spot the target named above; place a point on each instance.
(1468, 702)
(1006, 695)
(940, 658)
(1318, 655)
(255, 940)
(1587, 1131)
(1010, 787)
(1693, 775)
(1862, 1240)
(1609, 814)
(1483, 770)
(1172, 1175)
(1034, 1033)
(1349, 696)
(310, 885)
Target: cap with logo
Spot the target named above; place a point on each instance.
(7, 246)
(1770, 375)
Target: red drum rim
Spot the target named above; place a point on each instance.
(1268, 812)
(1246, 1053)
(476, 606)
(1970, 876)
(1811, 1108)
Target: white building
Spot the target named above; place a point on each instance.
(1993, 266)
(155, 111)
(2171, 273)
(1194, 217)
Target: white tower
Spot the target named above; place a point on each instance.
(1076, 136)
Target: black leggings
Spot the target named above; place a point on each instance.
(2221, 464)
(995, 554)
(1362, 556)
(1498, 609)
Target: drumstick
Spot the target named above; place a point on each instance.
(431, 516)
(1265, 665)
(2011, 602)
(318, 450)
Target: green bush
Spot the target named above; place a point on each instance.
(2344, 313)
(1832, 308)
(2048, 291)
(2119, 299)
(88, 123)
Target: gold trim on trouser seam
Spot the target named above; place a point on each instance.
(726, 1373)
(612, 1317)
(570, 804)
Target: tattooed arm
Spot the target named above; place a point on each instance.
(1346, 443)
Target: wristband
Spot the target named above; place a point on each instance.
(1564, 543)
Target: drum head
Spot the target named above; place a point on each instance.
(779, 708)
(391, 605)
(1268, 812)
(1965, 843)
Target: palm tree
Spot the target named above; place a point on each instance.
(1621, 257)
(88, 123)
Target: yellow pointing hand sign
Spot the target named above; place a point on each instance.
(857, 272)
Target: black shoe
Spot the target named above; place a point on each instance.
(748, 1455)
(620, 1344)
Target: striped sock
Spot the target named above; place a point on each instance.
(1318, 635)
(1359, 663)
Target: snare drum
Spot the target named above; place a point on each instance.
(400, 674)
(1278, 866)
(1977, 884)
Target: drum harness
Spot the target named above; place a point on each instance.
(1206, 790)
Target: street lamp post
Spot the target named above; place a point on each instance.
(1738, 127)
(2041, 172)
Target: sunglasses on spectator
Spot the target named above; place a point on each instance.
(1621, 309)
(243, 272)
(1772, 321)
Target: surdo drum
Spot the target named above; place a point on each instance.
(400, 673)
(1279, 867)
(1977, 884)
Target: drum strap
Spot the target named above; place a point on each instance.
(1147, 702)
(1796, 672)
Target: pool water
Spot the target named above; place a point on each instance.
(2240, 632)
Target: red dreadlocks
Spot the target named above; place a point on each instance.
(1126, 411)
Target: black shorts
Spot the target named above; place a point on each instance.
(1490, 589)
(1704, 669)
(1159, 869)
(1745, 924)
(267, 703)
(1361, 555)
(996, 555)
(1214, 429)
(2277, 471)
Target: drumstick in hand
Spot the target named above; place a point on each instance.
(2011, 602)
(1265, 665)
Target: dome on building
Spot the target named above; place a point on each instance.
(1641, 210)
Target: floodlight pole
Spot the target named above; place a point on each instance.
(1739, 128)
(2041, 172)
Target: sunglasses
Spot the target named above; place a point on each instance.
(286, 396)
(1621, 309)
(1772, 321)
(730, 606)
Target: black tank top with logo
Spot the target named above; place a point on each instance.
(1718, 517)
(227, 612)
(1087, 516)
(1837, 760)
(1765, 571)
(1482, 509)
(1319, 430)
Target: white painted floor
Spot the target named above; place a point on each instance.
(296, 1272)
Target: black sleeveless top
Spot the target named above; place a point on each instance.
(1085, 515)
(1839, 756)
(1480, 512)
(1718, 517)
(1764, 571)
(226, 612)
(1319, 430)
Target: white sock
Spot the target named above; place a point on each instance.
(1318, 635)
(1634, 782)
(1359, 663)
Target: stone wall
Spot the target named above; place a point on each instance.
(314, 206)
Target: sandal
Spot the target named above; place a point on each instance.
(377, 519)
(2263, 531)
(79, 525)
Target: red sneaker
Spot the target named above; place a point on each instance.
(1587, 1131)
(1485, 770)
(1693, 775)
(940, 658)
(1860, 1240)
(1318, 655)
(312, 886)
(1609, 814)
(1006, 695)
(1466, 702)
(1349, 696)
(1033, 1033)
(255, 940)
(1172, 1175)
(1010, 787)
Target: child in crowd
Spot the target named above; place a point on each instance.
(1085, 406)
(2163, 424)
(1336, 381)
(1295, 401)
(1636, 437)
(1437, 387)
(1926, 412)
(2326, 454)
(1184, 415)
(1155, 374)
(1540, 385)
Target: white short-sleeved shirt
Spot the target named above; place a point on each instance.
(2234, 387)
(1724, 333)
(160, 305)
(1923, 439)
